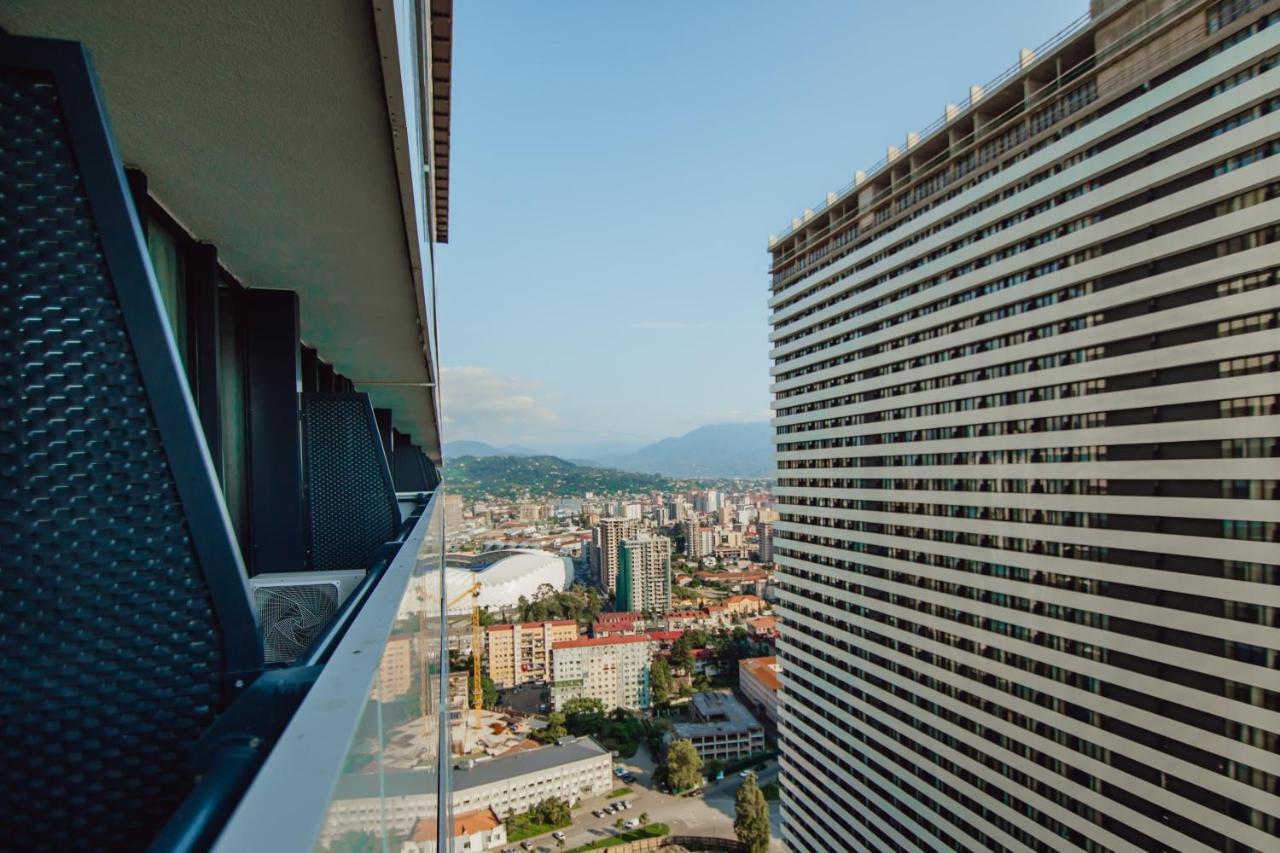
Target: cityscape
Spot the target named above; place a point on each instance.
(357, 502)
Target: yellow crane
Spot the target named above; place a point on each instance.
(477, 647)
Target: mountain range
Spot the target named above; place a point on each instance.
(715, 450)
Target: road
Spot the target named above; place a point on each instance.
(710, 814)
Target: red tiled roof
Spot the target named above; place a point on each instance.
(599, 641)
(664, 635)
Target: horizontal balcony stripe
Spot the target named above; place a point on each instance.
(892, 777)
(1158, 543)
(1210, 626)
(1157, 688)
(1062, 815)
(1139, 109)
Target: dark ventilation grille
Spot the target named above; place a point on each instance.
(292, 616)
(351, 503)
(110, 658)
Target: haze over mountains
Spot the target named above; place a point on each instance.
(716, 450)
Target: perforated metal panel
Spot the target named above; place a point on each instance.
(110, 658)
(351, 504)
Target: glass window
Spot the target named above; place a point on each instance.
(166, 260)
(231, 390)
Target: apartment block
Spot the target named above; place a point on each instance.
(1025, 400)
(614, 670)
(644, 574)
(606, 541)
(758, 680)
(521, 653)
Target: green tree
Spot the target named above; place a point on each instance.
(751, 817)
(555, 728)
(644, 818)
(355, 842)
(682, 654)
(489, 699)
(660, 681)
(584, 716)
(683, 765)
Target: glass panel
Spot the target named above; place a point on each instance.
(166, 260)
(232, 467)
(389, 789)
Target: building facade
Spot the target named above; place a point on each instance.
(644, 574)
(1026, 418)
(758, 680)
(521, 653)
(721, 728)
(614, 670)
(606, 541)
(572, 769)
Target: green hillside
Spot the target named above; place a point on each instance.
(517, 476)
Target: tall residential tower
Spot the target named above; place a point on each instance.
(1025, 406)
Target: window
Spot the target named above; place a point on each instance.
(167, 261)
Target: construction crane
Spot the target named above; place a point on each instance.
(477, 647)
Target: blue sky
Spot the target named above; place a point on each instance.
(617, 168)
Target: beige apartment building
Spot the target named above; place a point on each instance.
(521, 653)
(644, 575)
(395, 671)
(614, 670)
(606, 541)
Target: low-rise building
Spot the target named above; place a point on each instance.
(572, 769)
(521, 653)
(743, 605)
(759, 683)
(475, 830)
(722, 729)
(763, 628)
(614, 670)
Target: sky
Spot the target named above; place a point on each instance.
(616, 171)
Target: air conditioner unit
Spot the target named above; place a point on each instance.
(294, 607)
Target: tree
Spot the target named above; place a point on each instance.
(751, 817)
(555, 728)
(683, 765)
(644, 818)
(660, 681)
(682, 654)
(355, 842)
(584, 716)
(489, 690)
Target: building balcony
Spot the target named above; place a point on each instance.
(224, 549)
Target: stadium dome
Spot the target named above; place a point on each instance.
(504, 576)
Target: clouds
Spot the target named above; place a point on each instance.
(481, 402)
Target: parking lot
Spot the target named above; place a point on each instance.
(711, 813)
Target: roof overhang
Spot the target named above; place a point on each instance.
(292, 137)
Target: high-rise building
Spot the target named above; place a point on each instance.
(614, 670)
(452, 513)
(1026, 419)
(521, 653)
(698, 540)
(606, 539)
(766, 542)
(644, 574)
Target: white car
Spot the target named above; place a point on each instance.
(632, 824)
(558, 835)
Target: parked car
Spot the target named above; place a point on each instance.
(526, 845)
(558, 835)
(632, 823)
(620, 772)
(628, 777)
(744, 774)
(597, 813)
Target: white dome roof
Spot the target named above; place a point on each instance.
(505, 576)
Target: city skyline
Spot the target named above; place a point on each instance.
(534, 341)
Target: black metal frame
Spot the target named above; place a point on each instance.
(125, 255)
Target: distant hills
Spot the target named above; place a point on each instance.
(479, 449)
(514, 476)
(717, 450)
